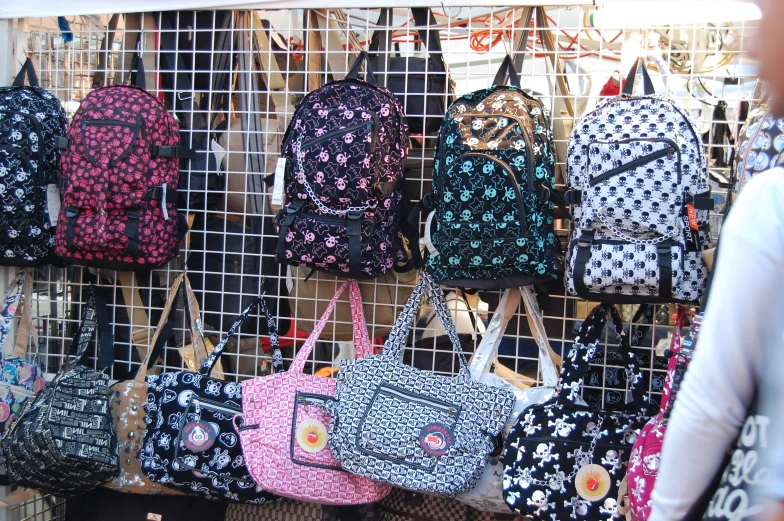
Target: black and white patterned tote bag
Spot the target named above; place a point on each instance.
(411, 428)
(63, 442)
(565, 460)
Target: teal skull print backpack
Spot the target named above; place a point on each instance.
(492, 220)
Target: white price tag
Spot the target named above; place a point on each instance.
(219, 152)
(428, 241)
(277, 189)
(154, 517)
(53, 203)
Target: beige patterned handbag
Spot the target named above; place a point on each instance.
(127, 400)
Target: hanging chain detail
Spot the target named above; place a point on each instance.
(321, 206)
(620, 233)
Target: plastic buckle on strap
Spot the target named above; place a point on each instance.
(133, 213)
(572, 197)
(427, 201)
(61, 142)
(585, 240)
(71, 212)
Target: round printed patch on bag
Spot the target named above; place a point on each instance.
(592, 482)
(436, 438)
(312, 435)
(199, 436)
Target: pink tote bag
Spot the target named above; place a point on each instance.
(645, 456)
(285, 421)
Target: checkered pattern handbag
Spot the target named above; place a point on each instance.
(283, 428)
(63, 442)
(282, 511)
(415, 429)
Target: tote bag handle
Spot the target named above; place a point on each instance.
(396, 342)
(361, 339)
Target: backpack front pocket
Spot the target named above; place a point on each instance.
(333, 164)
(333, 244)
(635, 185)
(206, 442)
(407, 428)
(309, 431)
(620, 267)
(108, 141)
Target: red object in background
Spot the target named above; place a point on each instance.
(613, 86)
(295, 336)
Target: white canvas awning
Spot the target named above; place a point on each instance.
(37, 8)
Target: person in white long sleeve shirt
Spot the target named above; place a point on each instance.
(744, 319)
(744, 315)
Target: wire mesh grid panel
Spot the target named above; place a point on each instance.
(234, 79)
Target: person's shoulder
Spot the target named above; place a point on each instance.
(763, 183)
(760, 204)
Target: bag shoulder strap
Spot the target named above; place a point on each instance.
(29, 70)
(95, 317)
(361, 339)
(162, 332)
(676, 366)
(398, 336)
(209, 363)
(582, 353)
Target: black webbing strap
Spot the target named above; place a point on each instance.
(157, 193)
(703, 201)
(354, 233)
(664, 259)
(648, 89)
(132, 231)
(409, 226)
(70, 214)
(105, 354)
(584, 244)
(507, 70)
(179, 151)
(137, 73)
(353, 74)
(29, 70)
(291, 214)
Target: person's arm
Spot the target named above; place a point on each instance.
(744, 315)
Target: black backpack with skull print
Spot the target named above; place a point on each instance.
(32, 126)
(637, 182)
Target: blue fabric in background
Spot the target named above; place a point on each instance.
(65, 29)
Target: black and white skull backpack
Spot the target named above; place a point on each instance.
(637, 182)
(32, 130)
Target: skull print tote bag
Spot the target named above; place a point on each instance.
(565, 460)
(283, 428)
(411, 428)
(190, 444)
(487, 495)
(127, 398)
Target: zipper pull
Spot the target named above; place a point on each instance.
(670, 153)
(236, 267)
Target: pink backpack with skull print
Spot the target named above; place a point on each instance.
(646, 453)
(119, 181)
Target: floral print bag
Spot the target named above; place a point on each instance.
(20, 378)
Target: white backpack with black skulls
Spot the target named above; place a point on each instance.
(637, 183)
